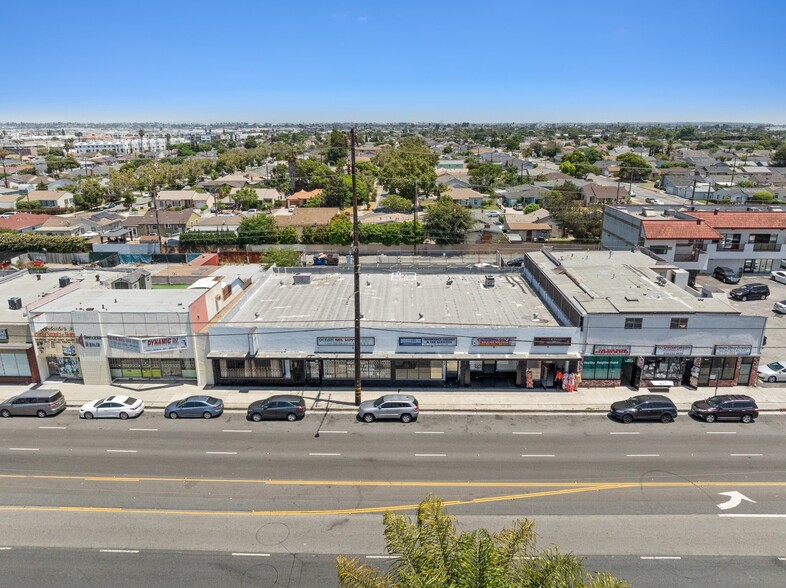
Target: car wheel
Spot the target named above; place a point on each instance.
(207, 415)
(123, 416)
(40, 414)
(771, 379)
(710, 418)
(747, 418)
(406, 418)
(627, 419)
(666, 418)
(173, 415)
(5, 413)
(764, 297)
(256, 417)
(744, 298)
(291, 417)
(88, 415)
(368, 417)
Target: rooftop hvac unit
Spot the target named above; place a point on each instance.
(302, 278)
(489, 282)
(15, 303)
(64, 281)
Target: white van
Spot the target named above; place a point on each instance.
(493, 214)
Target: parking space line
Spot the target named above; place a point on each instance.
(527, 433)
(220, 452)
(121, 451)
(236, 431)
(643, 455)
(625, 433)
(431, 455)
(240, 554)
(132, 429)
(539, 455)
(721, 432)
(118, 551)
(660, 557)
(325, 454)
(429, 432)
(746, 454)
(52, 427)
(333, 432)
(23, 449)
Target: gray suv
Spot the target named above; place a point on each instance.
(40, 403)
(402, 407)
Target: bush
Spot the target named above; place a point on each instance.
(27, 242)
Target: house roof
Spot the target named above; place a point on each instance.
(263, 194)
(306, 217)
(23, 220)
(742, 220)
(683, 180)
(678, 229)
(464, 194)
(177, 195)
(305, 195)
(524, 226)
(599, 192)
(47, 195)
(166, 217)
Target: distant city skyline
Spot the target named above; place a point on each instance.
(312, 62)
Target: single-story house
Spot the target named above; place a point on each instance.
(184, 199)
(466, 197)
(23, 222)
(172, 222)
(305, 217)
(593, 193)
(300, 198)
(528, 227)
(51, 199)
(217, 224)
(267, 196)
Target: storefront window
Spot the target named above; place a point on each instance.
(601, 368)
(663, 368)
(717, 368)
(418, 369)
(152, 368)
(344, 369)
(268, 368)
(14, 364)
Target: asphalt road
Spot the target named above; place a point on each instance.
(187, 494)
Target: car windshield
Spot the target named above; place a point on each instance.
(131, 401)
(713, 401)
(379, 401)
(775, 366)
(633, 401)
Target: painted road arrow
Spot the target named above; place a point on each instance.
(735, 499)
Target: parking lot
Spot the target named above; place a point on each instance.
(776, 323)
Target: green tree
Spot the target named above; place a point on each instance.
(779, 157)
(246, 198)
(337, 148)
(397, 204)
(89, 193)
(431, 552)
(633, 167)
(251, 142)
(257, 228)
(532, 207)
(447, 222)
(339, 230)
(763, 196)
(485, 176)
(281, 257)
(551, 149)
(409, 169)
(311, 174)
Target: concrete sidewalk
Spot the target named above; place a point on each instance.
(157, 396)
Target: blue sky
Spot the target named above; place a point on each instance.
(405, 60)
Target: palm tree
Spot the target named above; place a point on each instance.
(141, 136)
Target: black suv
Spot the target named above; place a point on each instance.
(649, 407)
(726, 275)
(750, 292)
(279, 407)
(736, 407)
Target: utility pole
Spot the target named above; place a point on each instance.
(693, 192)
(415, 222)
(733, 169)
(356, 265)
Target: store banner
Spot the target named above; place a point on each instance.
(147, 344)
(551, 341)
(493, 341)
(611, 350)
(733, 350)
(674, 350)
(344, 341)
(427, 341)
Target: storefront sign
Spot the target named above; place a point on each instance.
(55, 333)
(725, 350)
(493, 341)
(611, 350)
(89, 341)
(673, 350)
(147, 344)
(551, 341)
(344, 341)
(427, 341)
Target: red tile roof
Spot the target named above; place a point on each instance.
(678, 229)
(742, 219)
(23, 220)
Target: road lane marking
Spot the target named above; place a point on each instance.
(221, 452)
(746, 454)
(429, 432)
(236, 430)
(118, 551)
(52, 427)
(142, 429)
(643, 455)
(333, 432)
(381, 557)
(660, 557)
(538, 455)
(430, 455)
(721, 432)
(624, 433)
(5, 549)
(23, 449)
(779, 559)
(325, 454)
(240, 554)
(753, 516)
(121, 450)
(527, 433)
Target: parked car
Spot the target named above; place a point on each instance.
(750, 292)
(778, 276)
(736, 407)
(515, 262)
(205, 407)
(726, 275)
(280, 407)
(773, 372)
(251, 211)
(780, 307)
(402, 407)
(645, 407)
(653, 200)
(112, 407)
(40, 403)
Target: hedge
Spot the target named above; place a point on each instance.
(28, 242)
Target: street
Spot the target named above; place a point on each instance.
(183, 496)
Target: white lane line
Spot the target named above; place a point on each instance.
(431, 455)
(660, 557)
(381, 557)
(118, 551)
(779, 559)
(143, 429)
(236, 430)
(643, 455)
(23, 449)
(539, 455)
(5, 549)
(721, 432)
(625, 433)
(753, 516)
(325, 454)
(51, 427)
(221, 452)
(240, 554)
(746, 454)
(429, 432)
(527, 433)
(333, 432)
(121, 450)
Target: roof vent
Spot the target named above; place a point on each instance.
(489, 283)
(15, 303)
(661, 280)
(302, 278)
